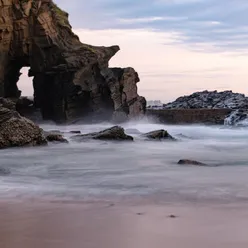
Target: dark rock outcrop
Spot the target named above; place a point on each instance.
(75, 132)
(159, 135)
(115, 133)
(210, 100)
(58, 138)
(190, 162)
(17, 131)
(71, 79)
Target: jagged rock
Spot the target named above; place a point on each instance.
(210, 100)
(71, 79)
(237, 118)
(58, 138)
(190, 162)
(114, 133)
(16, 131)
(159, 135)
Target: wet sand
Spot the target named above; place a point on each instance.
(117, 225)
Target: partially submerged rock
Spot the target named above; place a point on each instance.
(159, 135)
(58, 138)
(75, 132)
(17, 131)
(190, 162)
(114, 133)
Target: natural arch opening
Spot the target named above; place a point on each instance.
(25, 83)
(25, 104)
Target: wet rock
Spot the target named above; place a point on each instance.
(75, 132)
(58, 138)
(115, 133)
(159, 135)
(17, 131)
(190, 162)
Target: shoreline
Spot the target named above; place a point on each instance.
(123, 225)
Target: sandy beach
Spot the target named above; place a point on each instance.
(122, 225)
(122, 195)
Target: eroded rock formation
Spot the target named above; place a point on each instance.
(159, 135)
(71, 79)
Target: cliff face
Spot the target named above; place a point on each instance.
(71, 79)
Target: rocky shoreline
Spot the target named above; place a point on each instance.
(74, 84)
(206, 107)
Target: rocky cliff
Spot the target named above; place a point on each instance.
(71, 79)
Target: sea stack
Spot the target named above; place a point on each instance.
(71, 80)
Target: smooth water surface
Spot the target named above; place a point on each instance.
(99, 169)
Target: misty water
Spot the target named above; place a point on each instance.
(102, 170)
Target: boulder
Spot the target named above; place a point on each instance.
(115, 133)
(190, 162)
(159, 135)
(17, 131)
(56, 138)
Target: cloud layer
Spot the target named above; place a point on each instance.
(177, 46)
(222, 23)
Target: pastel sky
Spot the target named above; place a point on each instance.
(177, 46)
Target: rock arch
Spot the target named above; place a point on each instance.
(71, 79)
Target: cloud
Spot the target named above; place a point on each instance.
(200, 21)
(172, 69)
(150, 19)
(177, 46)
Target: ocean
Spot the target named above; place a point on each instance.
(95, 170)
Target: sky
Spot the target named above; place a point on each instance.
(177, 46)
